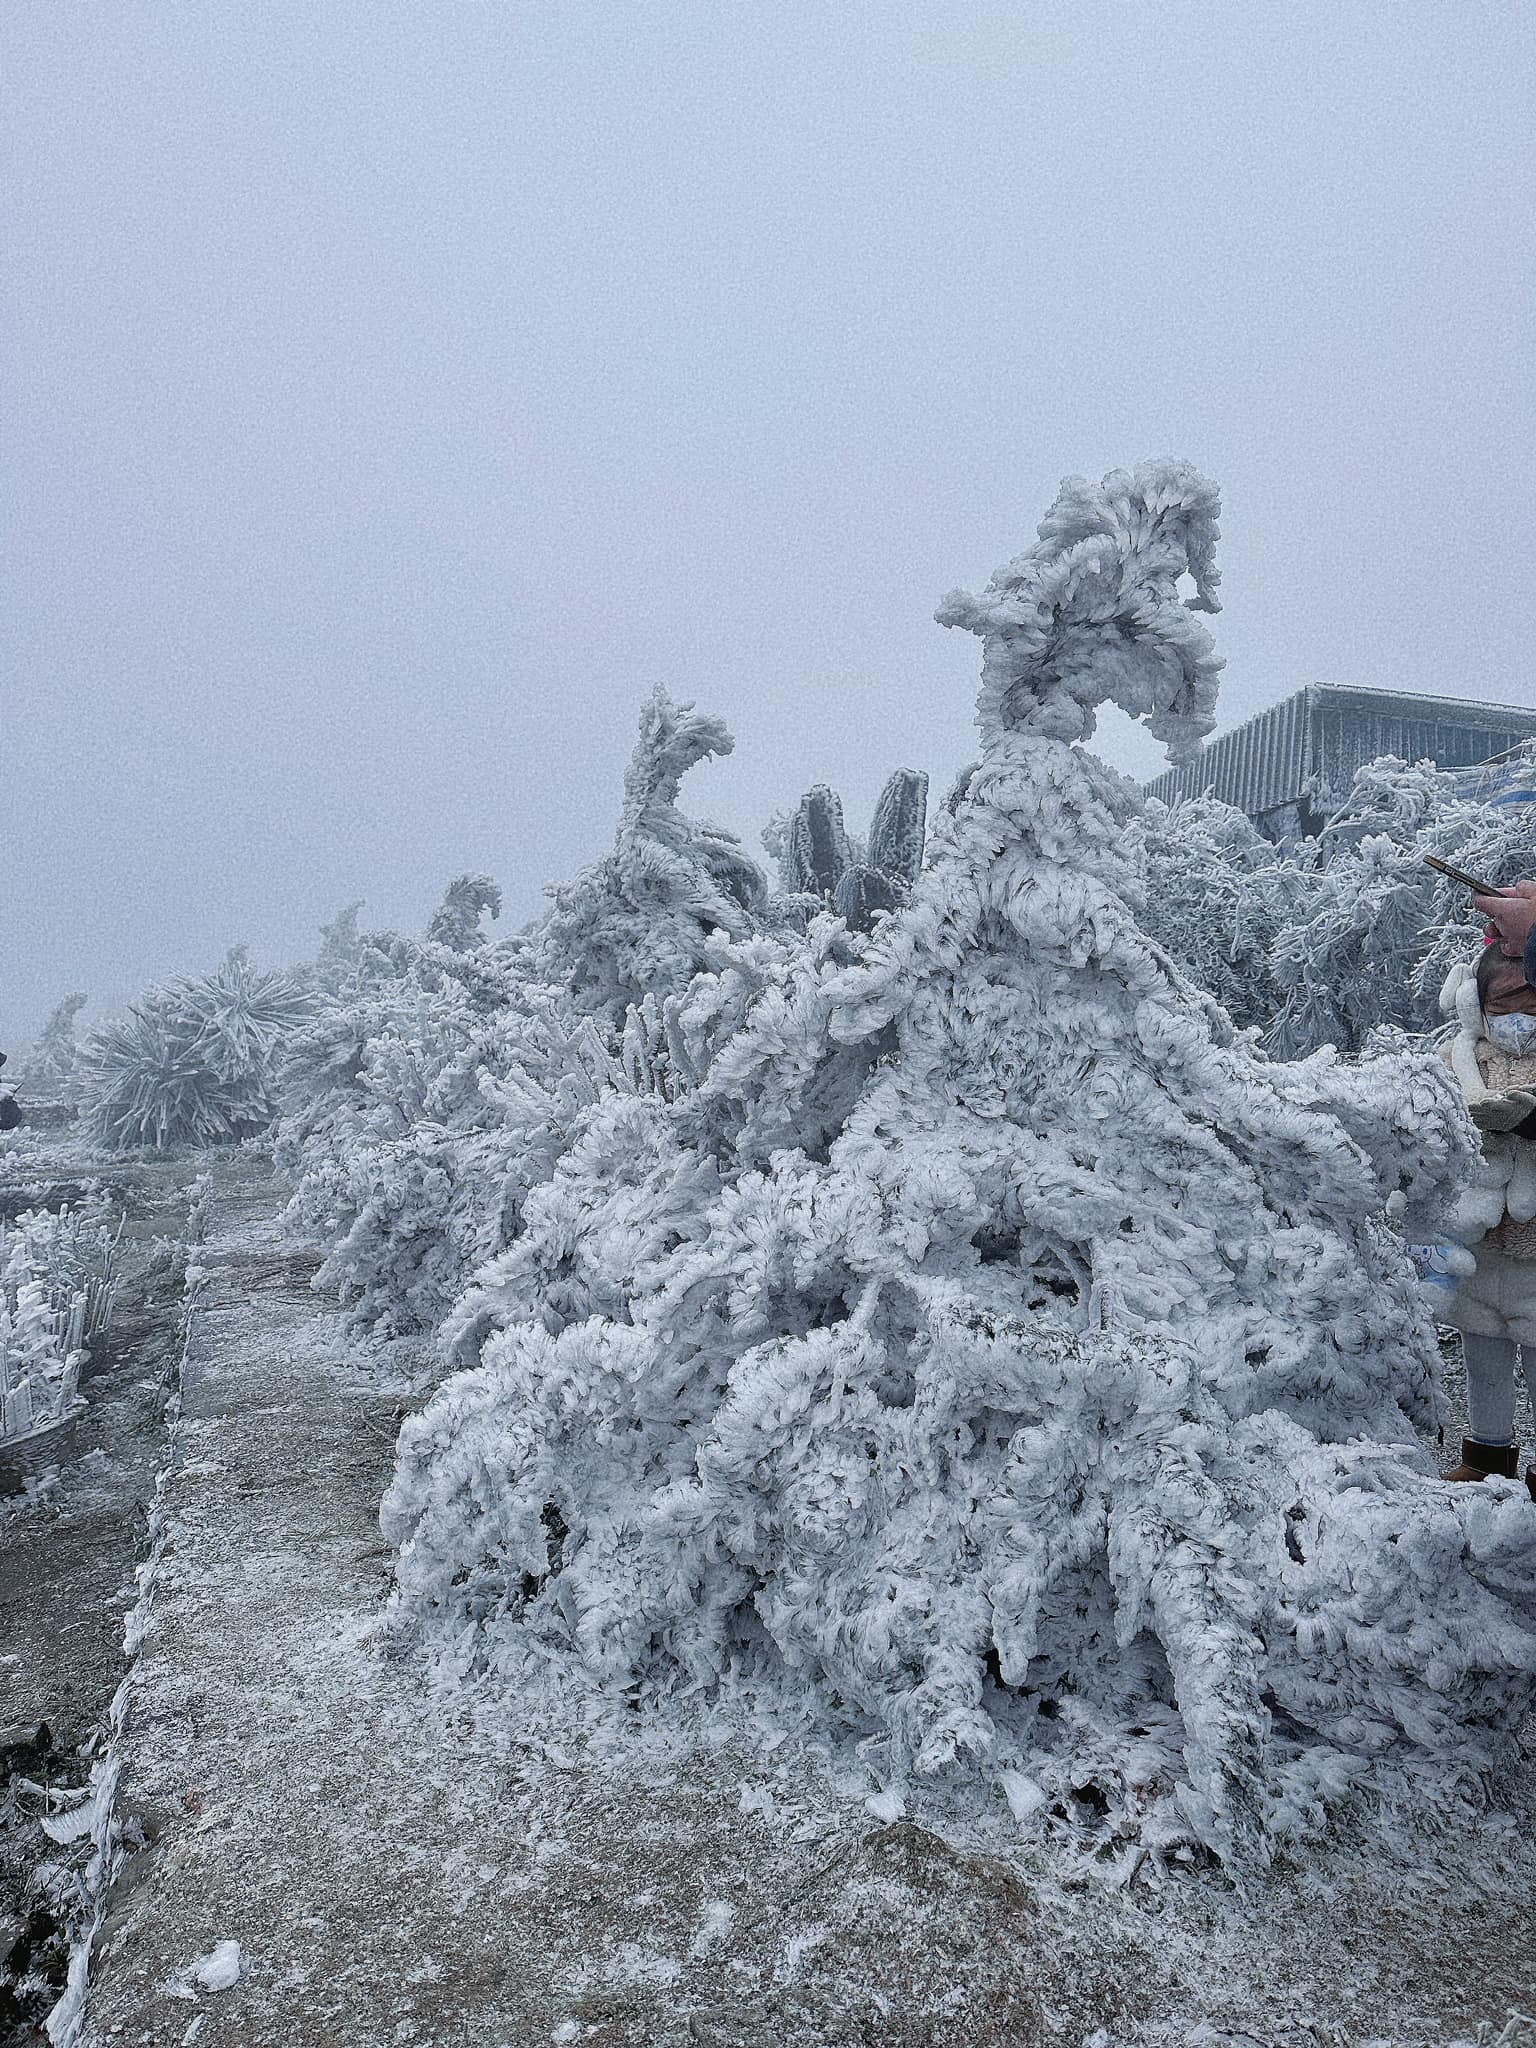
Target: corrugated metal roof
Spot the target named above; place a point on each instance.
(1305, 750)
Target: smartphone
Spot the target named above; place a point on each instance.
(1467, 881)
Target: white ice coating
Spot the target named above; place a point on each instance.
(963, 1338)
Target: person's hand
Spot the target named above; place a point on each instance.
(1511, 916)
(1503, 1112)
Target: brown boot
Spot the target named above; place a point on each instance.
(1478, 1460)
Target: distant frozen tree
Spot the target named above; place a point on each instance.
(988, 1352)
(340, 946)
(51, 1060)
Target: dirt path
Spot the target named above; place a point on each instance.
(394, 1877)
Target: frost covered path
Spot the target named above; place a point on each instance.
(390, 1878)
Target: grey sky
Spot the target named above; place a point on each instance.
(396, 392)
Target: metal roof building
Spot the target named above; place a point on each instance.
(1292, 765)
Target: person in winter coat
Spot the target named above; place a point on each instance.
(1493, 1055)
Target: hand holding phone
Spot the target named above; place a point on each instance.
(1467, 881)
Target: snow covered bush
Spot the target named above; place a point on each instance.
(979, 1348)
(1218, 897)
(193, 1061)
(1372, 932)
(56, 1297)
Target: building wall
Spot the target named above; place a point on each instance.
(1291, 764)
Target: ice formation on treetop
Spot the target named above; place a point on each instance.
(989, 1350)
(1092, 613)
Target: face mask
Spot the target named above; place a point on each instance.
(1514, 1033)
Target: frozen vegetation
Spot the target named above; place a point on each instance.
(56, 1297)
(949, 1299)
(192, 1061)
(952, 1333)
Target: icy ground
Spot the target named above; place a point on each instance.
(395, 1868)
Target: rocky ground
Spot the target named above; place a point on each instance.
(312, 1847)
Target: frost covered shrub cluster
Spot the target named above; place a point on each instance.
(1373, 934)
(954, 1334)
(1323, 943)
(1219, 896)
(56, 1297)
(193, 1061)
(440, 1081)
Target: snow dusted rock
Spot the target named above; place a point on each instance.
(989, 1352)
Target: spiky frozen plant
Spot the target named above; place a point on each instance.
(818, 844)
(193, 1061)
(883, 877)
(1046, 1411)
(898, 830)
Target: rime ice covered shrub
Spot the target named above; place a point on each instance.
(441, 1081)
(1371, 934)
(987, 1352)
(193, 1061)
(57, 1292)
(1218, 896)
(1326, 942)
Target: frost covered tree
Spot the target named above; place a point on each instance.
(1033, 1400)
(456, 921)
(52, 1059)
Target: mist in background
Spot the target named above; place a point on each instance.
(394, 395)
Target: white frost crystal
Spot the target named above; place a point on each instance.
(988, 1350)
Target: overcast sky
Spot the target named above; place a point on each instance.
(394, 393)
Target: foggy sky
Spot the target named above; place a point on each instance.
(395, 393)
